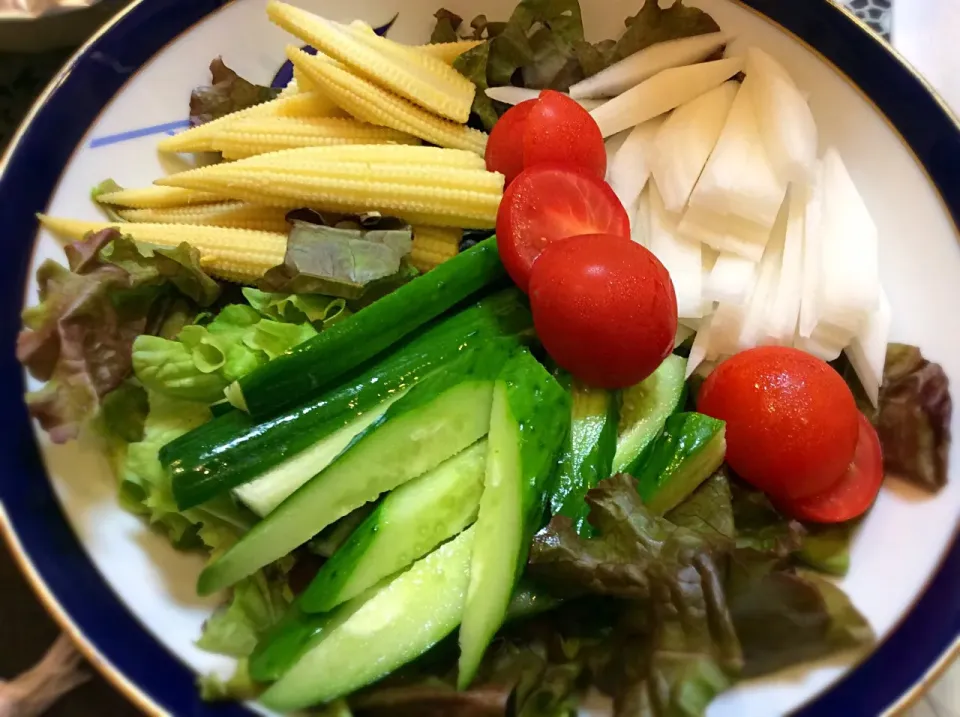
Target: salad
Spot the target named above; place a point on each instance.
(498, 374)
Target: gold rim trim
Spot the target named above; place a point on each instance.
(142, 701)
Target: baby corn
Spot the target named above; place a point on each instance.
(420, 78)
(434, 245)
(448, 51)
(239, 255)
(236, 215)
(405, 182)
(303, 104)
(292, 88)
(260, 135)
(156, 197)
(375, 154)
(367, 102)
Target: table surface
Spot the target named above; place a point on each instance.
(25, 629)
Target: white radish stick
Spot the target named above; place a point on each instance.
(849, 266)
(724, 233)
(738, 179)
(787, 127)
(681, 258)
(663, 92)
(698, 350)
(868, 351)
(640, 221)
(685, 141)
(810, 280)
(784, 309)
(642, 65)
(730, 279)
(768, 274)
(627, 174)
(510, 95)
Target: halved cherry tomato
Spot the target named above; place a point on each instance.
(505, 145)
(560, 130)
(856, 491)
(604, 308)
(550, 129)
(792, 422)
(550, 202)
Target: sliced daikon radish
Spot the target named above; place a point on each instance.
(698, 350)
(849, 271)
(724, 233)
(868, 351)
(511, 95)
(787, 127)
(810, 279)
(738, 179)
(725, 327)
(685, 141)
(627, 174)
(784, 308)
(730, 279)
(642, 65)
(640, 221)
(768, 274)
(663, 92)
(683, 333)
(824, 349)
(681, 258)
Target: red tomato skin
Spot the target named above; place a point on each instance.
(854, 493)
(505, 146)
(604, 308)
(550, 202)
(792, 423)
(559, 130)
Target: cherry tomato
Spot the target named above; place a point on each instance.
(505, 146)
(604, 308)
(792, 423)
(550, 202)
(855, 492)
(550, 129)
(559, 130)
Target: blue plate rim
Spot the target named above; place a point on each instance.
(54, 562)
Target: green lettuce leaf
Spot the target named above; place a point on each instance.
(79, 337)
(321, 311)
(473, 64)
(653, 24)
(106, 187)
(447, 25)
(341, 260)
(760, 527)
(913, 420)
(239, 686)
(708, 511)
(228, 92)
(785, 618)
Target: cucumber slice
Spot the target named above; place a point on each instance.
(234, 449)
(644, 410)
(689, 450)
(436, 419)
(393, 625)
(528, 600)
(315, 364)
(280, 482)
(588, 452)
(408, 524)
(528, 424)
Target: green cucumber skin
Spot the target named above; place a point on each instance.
(666, 390)
(234, 449)
(282, 646)
(689, 450)
(314, 364)
(383, 629)
(588, 452)
(409, 523)
(528, 428)
(466, 385)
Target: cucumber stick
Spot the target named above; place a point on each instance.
(391, 626)
(408, 524)
(588, 451)
(439, 417)
(268, 491)
(234, 449)
(644, 409)
(528, 424)
(315, 364)
(690, 448)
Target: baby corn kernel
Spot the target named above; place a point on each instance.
(236, 215)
